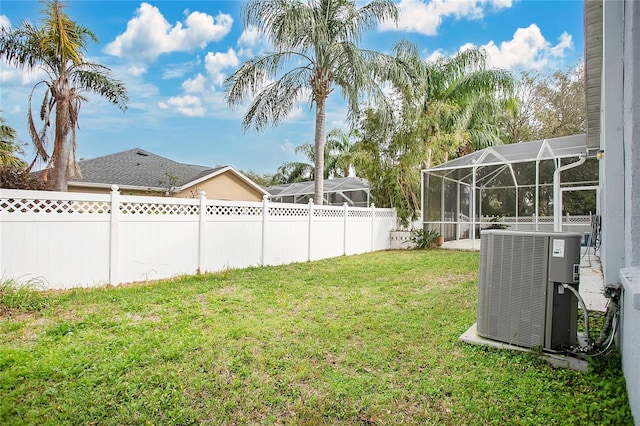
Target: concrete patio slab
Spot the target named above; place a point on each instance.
(562, 361)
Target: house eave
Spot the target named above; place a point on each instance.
(108, 186)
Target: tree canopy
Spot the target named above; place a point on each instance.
(58, 47)
(10, 148)
(453, 106)
(315, 51)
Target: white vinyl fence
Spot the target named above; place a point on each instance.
(85, 240)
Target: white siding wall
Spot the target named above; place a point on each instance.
(620, 177)
(630, 313)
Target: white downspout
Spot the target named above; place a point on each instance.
(557, 194)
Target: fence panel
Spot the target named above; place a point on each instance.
(58, 238)
(327, 232)
(233, 236)
(384, 222)
(157, 237)
(359, 223)
(78, 240)
(286, 233)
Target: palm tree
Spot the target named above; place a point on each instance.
(58, 49)
(9, 147)
(457, 102)
(454, 105)
(315, 50)
(337, 160)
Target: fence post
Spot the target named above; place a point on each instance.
(373, 218)
(114, 234)
(202, 232)
(344, 229)
(310, 228)
(265, 213)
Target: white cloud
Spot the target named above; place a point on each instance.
(180, 69)
(250, 36)
(4, 22)
(295, 113)
(186, 105)
(425, 17)
(215, 63)
(566, 42)
(437, 54)
(10, 74)
(149, 34)
(197, 84)
(528, 49)
(251, 41)
(288, 148)
(200, 93)
(136, 71)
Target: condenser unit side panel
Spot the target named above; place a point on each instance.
(484, 277)
(512, 288)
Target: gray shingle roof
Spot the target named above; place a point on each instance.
(137, 167)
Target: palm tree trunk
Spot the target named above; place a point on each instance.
(61, 146)
(319, 151)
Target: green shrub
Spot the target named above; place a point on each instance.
(424, 239)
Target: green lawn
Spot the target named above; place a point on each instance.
(368, 339)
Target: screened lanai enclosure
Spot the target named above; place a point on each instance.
(351, 190)
(545, 185)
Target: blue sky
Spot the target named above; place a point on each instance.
(174, 55)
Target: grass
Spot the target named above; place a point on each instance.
(369, 339)
(16, 295)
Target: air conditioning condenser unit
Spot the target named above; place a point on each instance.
(522, 298)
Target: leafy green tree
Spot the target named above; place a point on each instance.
(518, 122)
(264, 179)
(10, 147)
(455, 102)
(389, 158)
(561, 110)
(547, 106)
(452, 107)
(316, 50)
(58, 48)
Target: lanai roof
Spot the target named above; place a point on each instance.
(545, 149)
(350, 183)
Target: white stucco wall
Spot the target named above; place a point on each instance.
(630, 331)
(632, 131)
(620, 139)
(629, 336)
(612, 126)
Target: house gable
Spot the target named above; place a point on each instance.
(139, 172)
(226, 185)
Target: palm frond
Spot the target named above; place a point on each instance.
(20, 47)
(99, 82)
